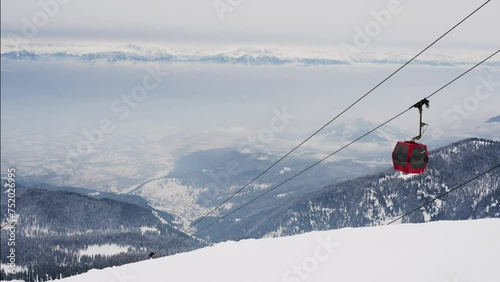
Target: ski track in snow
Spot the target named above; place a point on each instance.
(431, 252)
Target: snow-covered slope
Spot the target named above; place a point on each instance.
(439, 251)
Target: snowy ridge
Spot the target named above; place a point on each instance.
(112, 53)
(407, 252)
(457, 148)
(376, 199)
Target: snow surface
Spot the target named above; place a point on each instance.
(145, 229)
(107, 250)
(406, 176)
(438, 251)
(285, 170)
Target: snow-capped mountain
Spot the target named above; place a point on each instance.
(375, 199)
(112, 53)
(431, 252)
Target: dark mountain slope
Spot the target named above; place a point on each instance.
(55, 228)
(376, 199)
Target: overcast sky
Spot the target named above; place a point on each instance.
(320, 22)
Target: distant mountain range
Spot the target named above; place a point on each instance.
(244, 56)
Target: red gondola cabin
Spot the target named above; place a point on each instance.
(410, 157)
